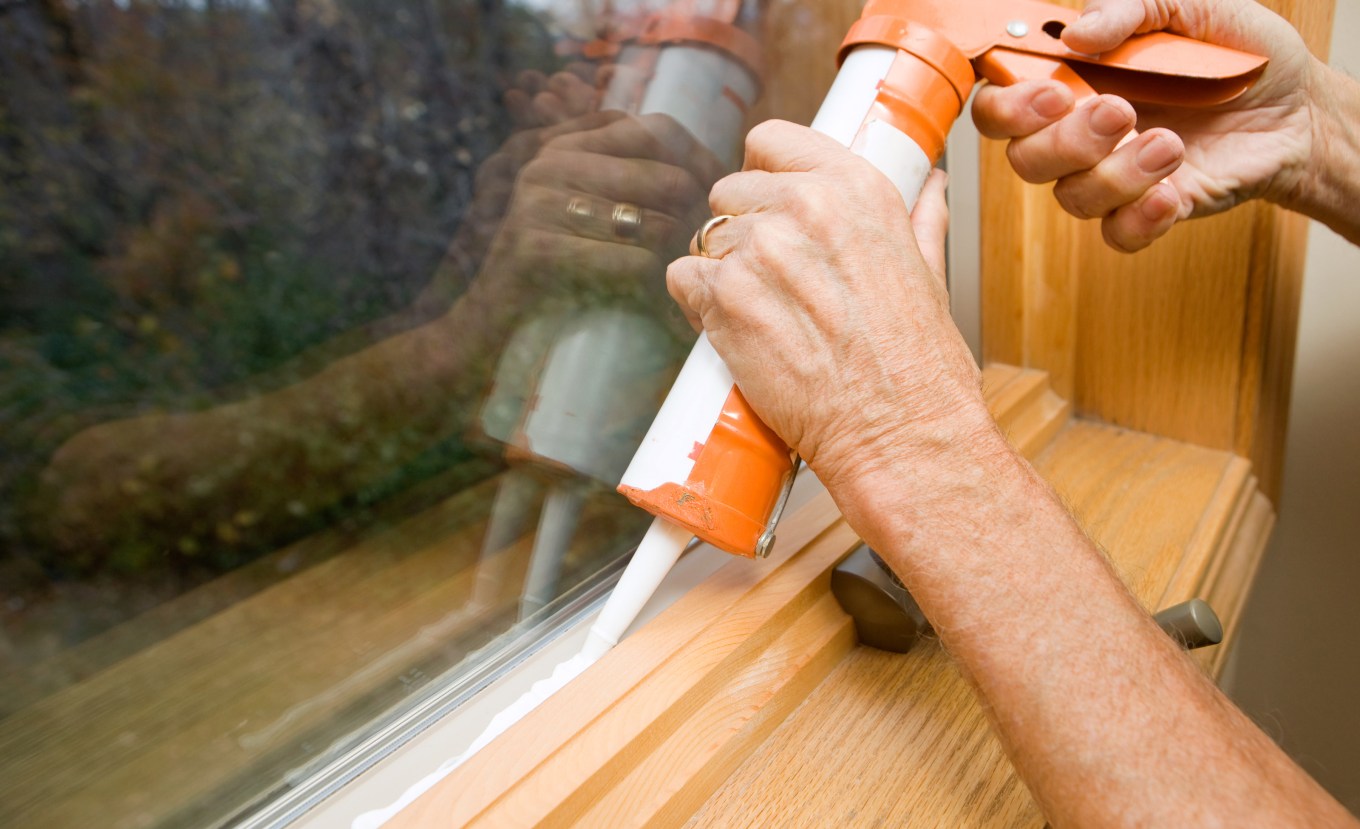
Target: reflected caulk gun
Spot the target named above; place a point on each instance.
(569, 385)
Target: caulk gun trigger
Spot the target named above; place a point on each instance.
(765, 543)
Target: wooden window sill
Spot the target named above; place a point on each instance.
(735, 701)
(749, 703)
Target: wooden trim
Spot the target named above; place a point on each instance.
(653, 729)
(1192, 338)
(688, 691)
(890, 740)
(747, 702)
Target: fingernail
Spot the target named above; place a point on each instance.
(1158, 154)
(1108, 119)
(1051, 102)
(1087, 19)
(1157, 206)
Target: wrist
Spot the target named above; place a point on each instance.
(879, 442)
(930, 480)
(1328, 186)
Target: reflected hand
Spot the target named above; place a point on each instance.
(541, 107)
(605, 208)
(833, 321)
(1187, 162)
(539, 100)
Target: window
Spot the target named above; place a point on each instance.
(326, 328)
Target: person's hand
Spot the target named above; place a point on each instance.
(538, 100)
(1186, 162)
(833, 321)
(541, 107)
(604, 208)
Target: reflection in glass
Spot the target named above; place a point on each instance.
(327, 329)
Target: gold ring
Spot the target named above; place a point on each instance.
(701, 238)
(627, 220)
(580, 209)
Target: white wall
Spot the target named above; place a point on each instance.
(1297, 668)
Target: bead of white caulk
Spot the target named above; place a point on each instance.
(656, 555)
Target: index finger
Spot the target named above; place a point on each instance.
(1020, 109)
(782, 147)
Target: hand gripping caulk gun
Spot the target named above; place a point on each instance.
(570, 383)
(708, 466)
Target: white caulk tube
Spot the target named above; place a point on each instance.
(706, 463)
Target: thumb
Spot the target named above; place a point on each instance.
(930, 222)
(1104, 24)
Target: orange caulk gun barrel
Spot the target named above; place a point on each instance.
(907, 67)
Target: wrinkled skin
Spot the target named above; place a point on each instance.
(834, 322)
(1185, 163)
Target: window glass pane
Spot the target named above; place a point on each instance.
(327, 328)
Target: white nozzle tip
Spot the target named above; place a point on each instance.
(597, 645)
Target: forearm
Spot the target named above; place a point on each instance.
(242, 473)
(1330, 187)
(1107, 721)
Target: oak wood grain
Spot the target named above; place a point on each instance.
(889, 740)
(579, 743)
(1192, 338)
(649, 732)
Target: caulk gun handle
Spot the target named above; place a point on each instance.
(1193, 624)
(887, 617)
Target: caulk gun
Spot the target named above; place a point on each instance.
(570, 382)
(708, 467)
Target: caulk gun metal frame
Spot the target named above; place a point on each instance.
(907, 66)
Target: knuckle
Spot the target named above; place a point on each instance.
(884, 194)
(1020, 153)
(1072, 197)
(543, 167)
(676, 185)
(723, 191)
(807, 201)
(679, 281)
(763, 247)
(662, 131)
(1075, 148)
(1121, 238)
(766, 134)
(762, 132)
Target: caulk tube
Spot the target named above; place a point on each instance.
(708, 463)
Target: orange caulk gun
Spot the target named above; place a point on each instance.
(708, 466)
